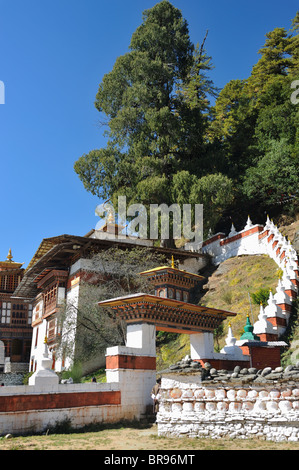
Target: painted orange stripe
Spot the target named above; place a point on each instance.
(131, 362)
(241, 235)
(58, 400)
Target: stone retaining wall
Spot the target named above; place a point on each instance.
(11, 379)
(192, 409)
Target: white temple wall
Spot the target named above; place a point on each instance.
(258, 240)
(245, 242)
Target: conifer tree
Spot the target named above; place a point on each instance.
(293, 48)
(156, 105)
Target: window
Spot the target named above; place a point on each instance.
(170, 293)
(36, 338)
(178, 295)
(29, 319)
(50, 298)
(5, 312)
(37, 312)
(20, 314)
(161, 293)
(9, 282)
(51, 328)
(185, 296)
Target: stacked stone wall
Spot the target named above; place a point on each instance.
(192, 409)
(11, 379)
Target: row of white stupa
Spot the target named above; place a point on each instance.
(287, 288)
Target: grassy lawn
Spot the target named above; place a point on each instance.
(133, 437)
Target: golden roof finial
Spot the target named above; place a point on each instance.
(110, 217)
(172, 261)
(9, 256)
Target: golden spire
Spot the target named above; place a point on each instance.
(172, 261)
(110, 217)
(9, 256)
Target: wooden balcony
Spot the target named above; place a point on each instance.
(50, 307)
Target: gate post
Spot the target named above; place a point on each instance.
(134, 367)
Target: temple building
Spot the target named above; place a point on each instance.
(16, 315)
(60, 267)
(53, 281)
(169, 310)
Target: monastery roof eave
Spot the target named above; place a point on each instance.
(143, 297)
(166, 314)
(10, 265)
(173, 270)
(49, 243)
(57, 251)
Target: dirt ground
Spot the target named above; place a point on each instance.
(135, 439)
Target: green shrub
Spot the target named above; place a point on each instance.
(261, 297)
(75, 373)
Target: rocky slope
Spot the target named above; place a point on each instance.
(239, 376)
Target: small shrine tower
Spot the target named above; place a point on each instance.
(169, 310)
(173, 283)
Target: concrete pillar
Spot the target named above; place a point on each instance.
(201, 346)
(134, 367)
(143, 336)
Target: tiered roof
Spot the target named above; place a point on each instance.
(166, 313)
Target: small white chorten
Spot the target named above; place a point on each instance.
(44, 376)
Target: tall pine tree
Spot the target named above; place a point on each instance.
(156, 105)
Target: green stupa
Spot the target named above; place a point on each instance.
(248, 329)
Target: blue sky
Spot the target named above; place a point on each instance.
(53, 57)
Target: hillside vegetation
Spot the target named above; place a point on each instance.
(227, 288)
(231, 285)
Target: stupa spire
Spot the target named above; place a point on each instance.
(9, 256)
